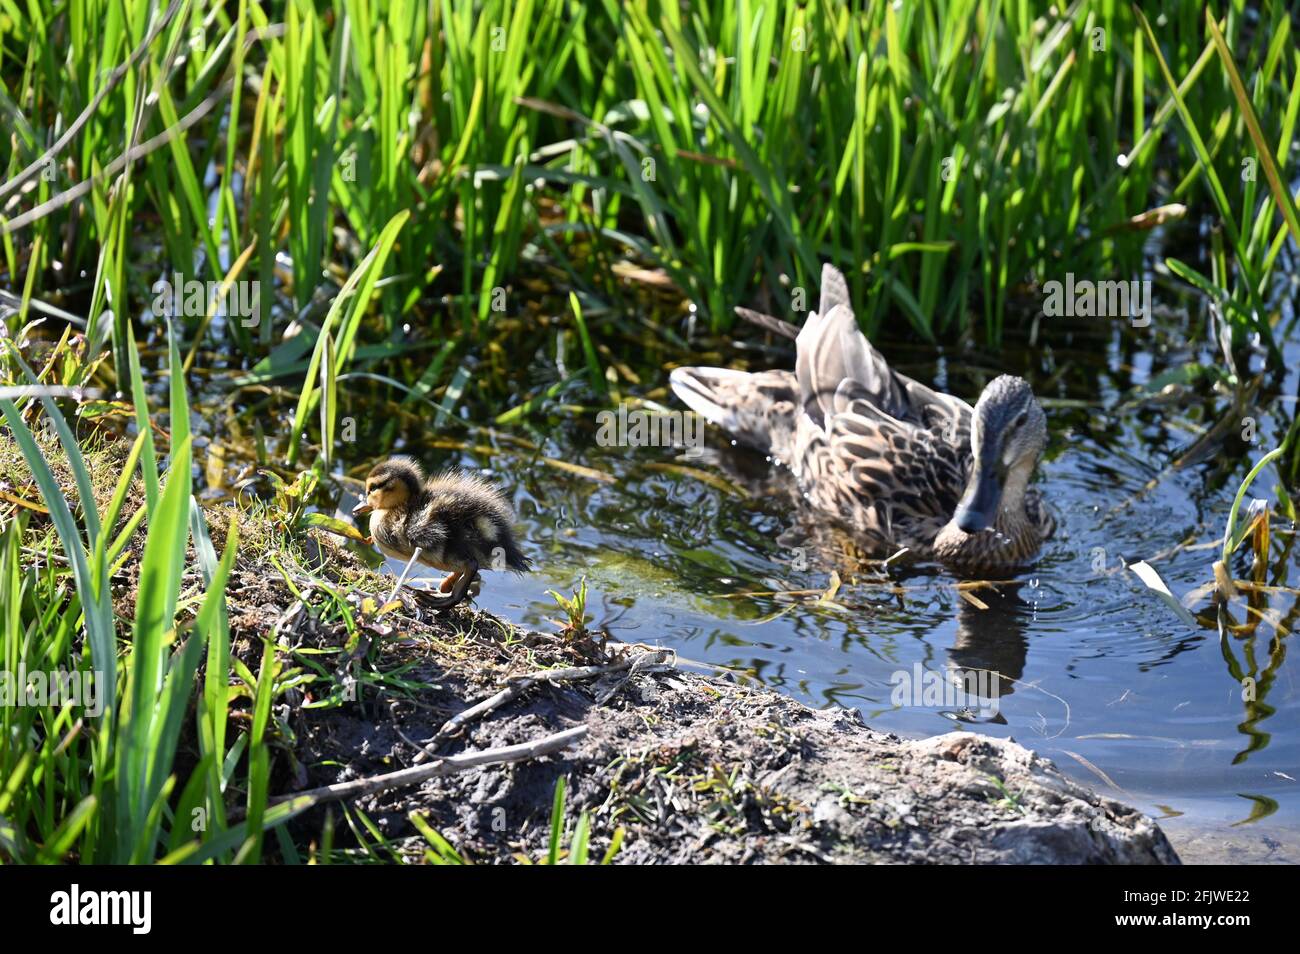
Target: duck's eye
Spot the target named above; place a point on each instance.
(1020, 419)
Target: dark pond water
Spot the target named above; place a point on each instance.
(712, 557)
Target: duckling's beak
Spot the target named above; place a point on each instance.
(978, 508)
(362, 508)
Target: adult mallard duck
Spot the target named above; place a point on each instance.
(892, 458)
(453, 522)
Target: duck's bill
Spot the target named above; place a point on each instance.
(361, 509)
(978, 508)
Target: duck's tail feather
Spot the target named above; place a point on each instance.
(758, 409)
(771, 323)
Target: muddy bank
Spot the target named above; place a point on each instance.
(699, 770)
(694, 768)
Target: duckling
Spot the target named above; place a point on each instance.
(454, 522)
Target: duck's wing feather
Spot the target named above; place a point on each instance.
(942, 413)
(757, 409)
(767, 409)
(908, 475)
(835, 290)
(830, 349)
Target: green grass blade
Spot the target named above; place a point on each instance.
(1281, 195)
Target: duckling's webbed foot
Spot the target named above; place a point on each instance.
(457, 586)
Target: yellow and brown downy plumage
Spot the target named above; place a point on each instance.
(895, 460)
(458, 522)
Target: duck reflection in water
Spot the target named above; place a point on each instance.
(990, 649)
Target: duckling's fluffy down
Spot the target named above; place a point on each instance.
(459, 517)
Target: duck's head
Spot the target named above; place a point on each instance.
(1008, 434)
(390, 485)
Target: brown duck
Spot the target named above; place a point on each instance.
(892, 458)
(453, 522)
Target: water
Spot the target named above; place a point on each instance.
(1097, 673)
